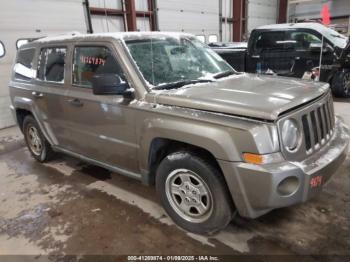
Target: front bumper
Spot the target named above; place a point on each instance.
(256, 190)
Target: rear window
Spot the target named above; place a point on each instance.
(51, 64)
(89, 61)
(24, 64)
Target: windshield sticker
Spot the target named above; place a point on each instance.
(90, 60)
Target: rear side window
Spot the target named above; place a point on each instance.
(24, 64)
(51, 64)
(89, 61)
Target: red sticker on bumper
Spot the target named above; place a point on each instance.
(316, 181)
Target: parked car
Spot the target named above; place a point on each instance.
(294, 50)
(166, 110)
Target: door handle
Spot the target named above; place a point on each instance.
(76, 102)
(37, 94)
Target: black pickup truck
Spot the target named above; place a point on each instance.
(293, 50)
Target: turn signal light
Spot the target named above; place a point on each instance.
(253, 158)
(257, 159)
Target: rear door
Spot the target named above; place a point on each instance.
(49, 89)
(101, 127)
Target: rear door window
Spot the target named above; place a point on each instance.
(91, 60)
(51, 64)
(24, 64)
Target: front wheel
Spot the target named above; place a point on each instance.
(341, 83)
(193, 193)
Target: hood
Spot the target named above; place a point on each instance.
(261, 97)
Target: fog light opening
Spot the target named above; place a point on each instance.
(288, 186)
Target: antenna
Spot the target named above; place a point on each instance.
(321, 53)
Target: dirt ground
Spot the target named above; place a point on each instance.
(67, 207)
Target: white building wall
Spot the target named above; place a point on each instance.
(102, 23)
(31, 19)
(261, 12)
(198, 17)
(312, 9)
(339, 12)
(227, 12)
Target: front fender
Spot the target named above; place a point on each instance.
(220, 141)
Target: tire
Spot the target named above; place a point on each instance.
(193, 193)
(34, 137)
(341, 83)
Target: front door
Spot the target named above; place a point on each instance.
(269, 51)
(307, 46)
(102, 127)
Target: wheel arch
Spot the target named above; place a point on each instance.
(21, 115)
(160, 147)
(23, 107)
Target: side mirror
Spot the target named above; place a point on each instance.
(108, 84)
(2, 49)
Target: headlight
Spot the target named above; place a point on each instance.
(290, 134)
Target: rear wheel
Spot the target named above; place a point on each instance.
(193, 193)
(37, 144)
(341, 83)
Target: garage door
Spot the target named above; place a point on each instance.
(199, 17)
(32, 19)
(261, 12)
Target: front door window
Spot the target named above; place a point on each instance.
(89, 61)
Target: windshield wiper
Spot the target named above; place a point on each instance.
(224, 74)
(179, 84)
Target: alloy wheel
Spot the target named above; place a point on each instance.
(189, 195)
(346, 83)
(34, 140)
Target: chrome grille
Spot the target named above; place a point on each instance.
(316, 122)
(318, 125)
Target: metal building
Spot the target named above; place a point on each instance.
(210, 20)
(310, 10)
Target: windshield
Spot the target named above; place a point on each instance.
(164, 60)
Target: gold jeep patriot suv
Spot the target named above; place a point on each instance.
(165, 109)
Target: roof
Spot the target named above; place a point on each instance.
(332, 35)
(314, 26)
(116, 35)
